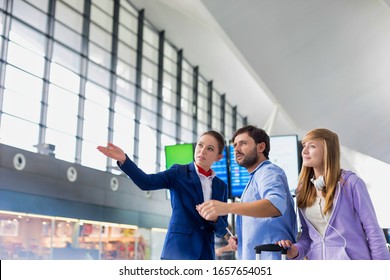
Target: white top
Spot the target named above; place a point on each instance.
(315, 215)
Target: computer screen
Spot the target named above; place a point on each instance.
(178, 154)
(284, 153)
(221, 167)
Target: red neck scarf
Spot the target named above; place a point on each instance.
(204, 172)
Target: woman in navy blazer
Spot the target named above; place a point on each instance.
(189, 236)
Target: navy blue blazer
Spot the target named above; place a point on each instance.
(189, 236)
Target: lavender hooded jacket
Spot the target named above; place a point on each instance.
(353, 231)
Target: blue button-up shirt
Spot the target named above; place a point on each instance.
(267, 181)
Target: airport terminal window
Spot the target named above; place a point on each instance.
(36, 18)
(128, 24)
(124, 125)
(69, 17)
(64, 151)
(150, 52)
(100, 37)
(42, 5)
(66, 57)
(126, 52)
(147, 145)
(25, 59)
(28, 38)
(101, 13)
(99, 56)
(28, 43)
(65, 78)
(228, 121)
(78, 60)
(150, 35)
(67, 36)
(126, 72)
(98, 74)
(75, 4)
(61, 114)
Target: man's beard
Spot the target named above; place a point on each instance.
(249, 159)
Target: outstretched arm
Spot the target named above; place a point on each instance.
(261, 208)
(113, 152)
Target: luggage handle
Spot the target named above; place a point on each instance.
(270, 248)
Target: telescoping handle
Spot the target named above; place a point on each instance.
(270, 248)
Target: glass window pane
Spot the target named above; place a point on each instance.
(170, 66)
(124, 126)
(65, 144)
(41, 4)
(21, 106)
(169, 82)
(216, 124)
(147, 149)
(202, 103)
(149, 68)
(187, 93)
(35, 17)
(170, 52)
(99, 56)
(168, 126)
(101, 18)
(125, 89)
(75, 4)
(2, 19)
(127, 37)
(202, 127)
(10, 133)
(95, 126)
(100, 37)
(128, 20)
(187, 135)
(151, 36)
(62, 110)
(107, 6)
(97, 94)
(25, 59)
(125, 71)
(149, 101)
(150, 52)
(127, 54)
(185, 106)
(126, 5)
(186, 121)
(169, 112)
(28, 38)
(67, 36)
(66, 57)
(65, 78)
(69, 17)
(31, 86)
(149, 118)
(149, 85)
(90, 157)
(169, 96)
(99, 74)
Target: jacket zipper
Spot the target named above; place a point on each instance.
(327, 224)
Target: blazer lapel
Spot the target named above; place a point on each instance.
(196, 183)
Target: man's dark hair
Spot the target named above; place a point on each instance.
(258, 134)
